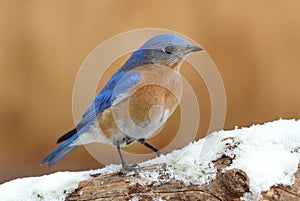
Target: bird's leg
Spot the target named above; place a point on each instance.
(143, 142)
(124, 164)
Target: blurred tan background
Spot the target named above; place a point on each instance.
(255, 45)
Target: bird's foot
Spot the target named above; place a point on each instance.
(129, 168)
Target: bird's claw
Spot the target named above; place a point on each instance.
(129, 168)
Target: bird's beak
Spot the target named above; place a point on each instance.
(195, 48)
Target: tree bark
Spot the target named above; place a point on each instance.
(230, 186)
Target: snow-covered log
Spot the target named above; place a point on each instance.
(162, 185)
(256, 163)
(227, 186)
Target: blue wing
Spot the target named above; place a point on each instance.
(121, 82)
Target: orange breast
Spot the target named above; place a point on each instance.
(144, 101)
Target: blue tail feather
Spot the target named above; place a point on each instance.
(60, 151)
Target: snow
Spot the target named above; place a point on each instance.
(52, 187)
(269, 154)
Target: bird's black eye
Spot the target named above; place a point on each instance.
(169, 49)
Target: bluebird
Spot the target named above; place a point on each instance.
(121, 111)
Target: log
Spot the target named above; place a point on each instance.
(230, 185)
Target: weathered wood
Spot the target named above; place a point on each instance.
(229, 186)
